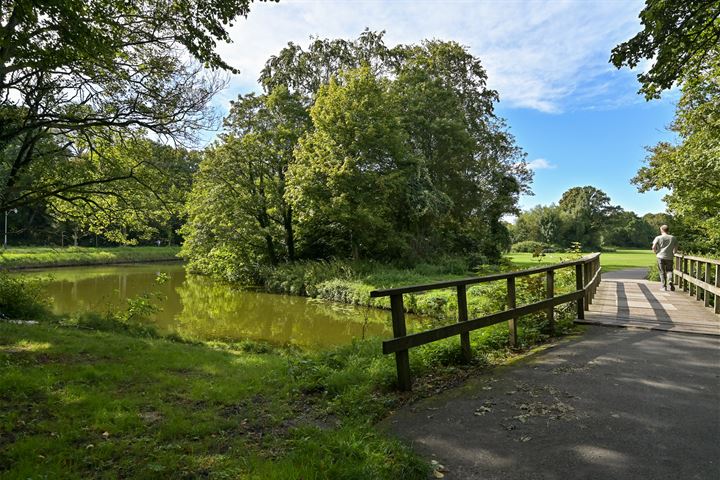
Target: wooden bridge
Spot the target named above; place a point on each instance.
(638, 303)
(625, 302)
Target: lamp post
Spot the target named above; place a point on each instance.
(14, 210)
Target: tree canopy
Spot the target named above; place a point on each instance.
(382, 153)
(691, 168)
(677, 36)
(79, 77)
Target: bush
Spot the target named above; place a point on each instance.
(22, 298)
(654, 273)
(528, 246)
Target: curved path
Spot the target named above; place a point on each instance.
(612, 404)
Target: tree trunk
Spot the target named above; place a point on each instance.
(289, 234)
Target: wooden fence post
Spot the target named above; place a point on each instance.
(462, 317)
(706, 296)
(512, 323)
(587, 276)
(402, 359)
(698, 289)
(717, 284)
(579, 285)
(550, 293)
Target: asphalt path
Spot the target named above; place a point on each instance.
(609, 404)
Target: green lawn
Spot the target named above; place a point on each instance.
(610, 261)
(23, 257)
(79, 404)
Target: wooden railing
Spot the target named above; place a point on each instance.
(700, 277)
(587, 278)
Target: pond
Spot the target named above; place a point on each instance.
(200, 308)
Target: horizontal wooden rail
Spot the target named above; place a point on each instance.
(699, 277)
(429, 336)
(484, 279)
(587, 276)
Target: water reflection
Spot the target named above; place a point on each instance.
(201, 308)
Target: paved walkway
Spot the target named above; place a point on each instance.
(612, 404)
(622, 299)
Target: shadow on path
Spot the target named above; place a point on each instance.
(615, 403)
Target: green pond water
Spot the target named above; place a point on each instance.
(198, 307)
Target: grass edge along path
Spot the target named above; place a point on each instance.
(99, 404)
(43, 257)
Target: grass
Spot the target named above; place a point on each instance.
(29, 257)
(98, 398)
(610, 261)
(80, 404)
(107, 404)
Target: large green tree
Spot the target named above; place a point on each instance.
(690, 169)
(76, 75)
(399, 155)
(677, 36)
(238, 213)
(348, 184)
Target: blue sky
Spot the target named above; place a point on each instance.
(578, 119)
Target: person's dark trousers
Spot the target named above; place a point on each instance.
(666, 272)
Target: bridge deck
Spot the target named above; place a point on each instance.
(642, 304)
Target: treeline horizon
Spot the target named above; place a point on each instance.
(586, 216)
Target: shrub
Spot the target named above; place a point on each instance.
(528, 246)
(22, 298)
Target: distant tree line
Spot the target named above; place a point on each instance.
(357, 150)
(585, 215)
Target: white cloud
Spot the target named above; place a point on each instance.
(549, 56)
(541, 164)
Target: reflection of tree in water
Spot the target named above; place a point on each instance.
(213, 310)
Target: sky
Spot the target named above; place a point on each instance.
(579, 119)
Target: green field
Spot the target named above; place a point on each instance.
(609, 261)
(79, 404)
(27, 257)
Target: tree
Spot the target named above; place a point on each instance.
(690, 169)
(587, 208)
(678, 36)
(448, 114)
(347, 183)
(626, 229)
(238, 208)
(377, 153)
(77, 75)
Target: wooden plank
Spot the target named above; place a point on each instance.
(511, 304)
(711, 288)
(475, 280)
(421, 338)
(402, 358)
(550, 293)
(717, 289)
(462, 317)
(580, 287)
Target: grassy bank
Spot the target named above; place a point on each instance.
(103, 397)
(83, 403)
(610, 261)
(37, 257)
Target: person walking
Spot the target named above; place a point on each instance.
(665, 246)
